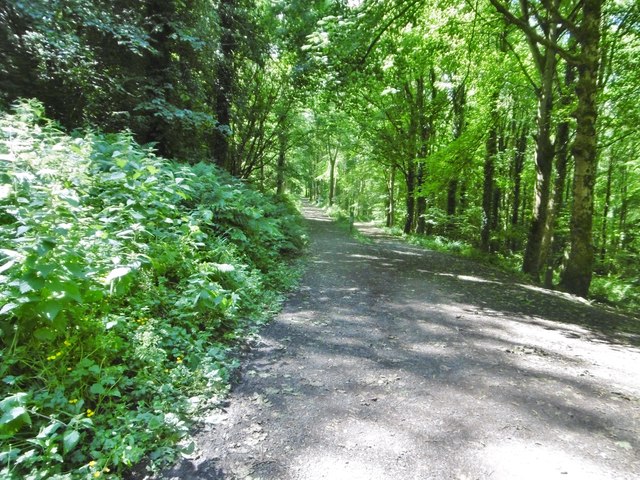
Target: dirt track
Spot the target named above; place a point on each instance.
(392, 362)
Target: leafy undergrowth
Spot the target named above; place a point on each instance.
(125, 282)
(609, 290)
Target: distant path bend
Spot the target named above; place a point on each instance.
(391, 362)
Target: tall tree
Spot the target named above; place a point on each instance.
(576, 278)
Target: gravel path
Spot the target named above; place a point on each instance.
(391, 362)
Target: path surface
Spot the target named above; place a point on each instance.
(392, 362)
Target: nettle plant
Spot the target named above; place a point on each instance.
(125, 281)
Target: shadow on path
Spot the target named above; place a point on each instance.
(393, 362)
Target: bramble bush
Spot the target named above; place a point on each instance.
(125, 282)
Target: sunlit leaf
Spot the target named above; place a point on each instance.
(70, 439)
(116, 273)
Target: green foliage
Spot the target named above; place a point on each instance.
(618, 291)
(126, 281)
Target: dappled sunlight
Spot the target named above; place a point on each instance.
(470, 278)
(408, 253)
(438, 371)
(531, 460)
(361, 444)
(555, 293)
(467, 278)
(330, 466)
(368, 257)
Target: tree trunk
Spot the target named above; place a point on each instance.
(605, 210)
(552, 243)
(224, 76)
(281, 164)
(332, 177)
(391, 186)
(518, 167)
(158, 70)
(411, 187)
(421, 153)
(624, 207)
(452, 191)
(489, 170)
(544, 163)
(576, 277)
(459, 102)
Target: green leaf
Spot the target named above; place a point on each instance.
(46, 245)
(97, 389)
(14, 413)
(5, 191)
(116, 176)
(33, 282)
(44, 334)
(7, 265)
(189, 448)
(223, 267)
(70, 439)
(26, 456)
(49, 430)
(114, 392)
(7, 307)
(50, 309)
(13, 400)
(45, 269)
(68, 289)
(116, 273)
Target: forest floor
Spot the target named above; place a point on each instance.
(392, 362)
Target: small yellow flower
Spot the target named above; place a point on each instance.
(179, 360)
(73, 401)
(96, 474)
(92, 463)
(166, 370)
(106, 470)
(90, 413)
(69, 369)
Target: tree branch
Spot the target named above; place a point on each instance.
(531, 34)
(522, 67)
(386, 27)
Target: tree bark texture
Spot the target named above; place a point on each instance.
(544, 163)
(605, 210)
(577, 275)
(224, 93)
(553, 243)
(489, 171)
(518, 166)
(391, 187)
(411, 187)
(459, 103)
(281, 165)
(332, 176)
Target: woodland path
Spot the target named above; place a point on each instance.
(392, 362)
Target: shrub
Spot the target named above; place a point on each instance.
(125, 280)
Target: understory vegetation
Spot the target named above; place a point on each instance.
(126, 280)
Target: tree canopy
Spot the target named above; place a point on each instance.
(504, 125)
